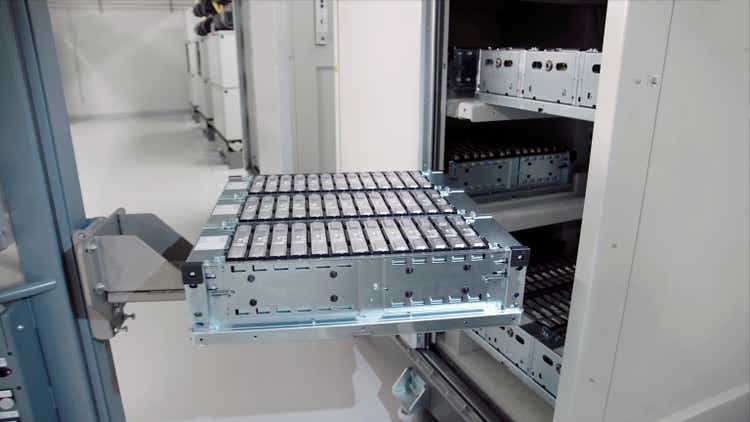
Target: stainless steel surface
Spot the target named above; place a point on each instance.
(361, 275)
(501, 71)
(126, 258)
(538, 106)
(551, 75)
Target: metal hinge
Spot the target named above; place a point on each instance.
(127, 258)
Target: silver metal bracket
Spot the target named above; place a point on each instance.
(411, 391)
(127, 258)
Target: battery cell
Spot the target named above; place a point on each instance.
(431, 234)
(393, 235)
(375, 236)
(409, 203)
(298, 244)
(258, 183)
(394, 204)
(408, 180)
(330, 205)
(356, 237)
(251, 208)
(285, 183)
(315, 206)
(378, 204)
(363, 205)
(299, 209)
(318, 240)
(448, 232)
(299, 183)
(394, 180)
(367, 182)
(259, 245)
(424, 201)
(471, 237)
(272, 184)
(339, 181)
(347, 205)
(380, 180)
(282, 207)
(326, 182)
(439, 201)
(420, 179)
(239, 242)
(279, 240)
(416, 242)
(353, 180)
(313, 182)
(266, 208)
(337, 238)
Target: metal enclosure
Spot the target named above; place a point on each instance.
(551, 75)
(352, 262)
(588, 83)
(501, 71)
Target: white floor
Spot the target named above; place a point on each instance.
(165, 166)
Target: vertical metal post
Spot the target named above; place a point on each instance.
(38, 173)
(435, 15)
(238, 14)
(429, 19)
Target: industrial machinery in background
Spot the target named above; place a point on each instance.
(213, 72)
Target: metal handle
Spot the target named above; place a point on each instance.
(187, 57)
(25, 291)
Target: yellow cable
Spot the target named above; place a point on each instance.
(219, 8)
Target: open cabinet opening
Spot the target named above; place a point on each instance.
(515, 134)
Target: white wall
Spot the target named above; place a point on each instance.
(685, 335)
(121, 60)
(379, 84)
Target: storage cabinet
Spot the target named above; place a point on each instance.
(612, 84)
(226, 105)
(223, 84)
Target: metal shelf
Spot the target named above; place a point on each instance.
(477, 111)
(536, 211)
(525, 105)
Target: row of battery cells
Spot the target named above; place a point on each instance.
(548, 294)
(344, 204)
(339, 182)
(353, 237)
